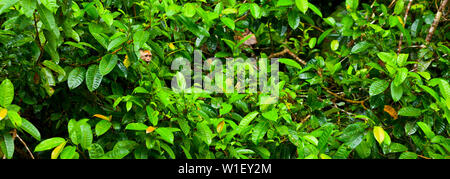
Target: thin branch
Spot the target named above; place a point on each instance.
(345, 99)
(286, 50)
(421, 156)
(37, 38)
(392, 4)
(435, 21)
(404, 23)
(23, 142)
(305, 119)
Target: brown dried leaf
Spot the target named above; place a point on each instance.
(391, 111)
(149, 129)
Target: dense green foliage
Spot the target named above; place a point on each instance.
(358, 79)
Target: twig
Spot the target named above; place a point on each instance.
(240, 18)
(38, 39)
(345, 99)
(404, 23)
(421, 156)
(305, 119)
(435, 21)
(286, 50)
(392, 4)
(31, 154)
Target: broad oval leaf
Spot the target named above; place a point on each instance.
(378, 87)
(102, 126)
(426, 130)
(47, 18)
(165, 133)
(8, 145)
(220, 126)
(409, 111)
(49, 144)
(378, 133)
(55, 67)
(290, 62)
(396, 92)
(93, 78)
(248, 118)
(6, 93)
(86, 135)
(334, 45)
(117, 42)
(108, 63)
(302, 5)
(402, 73)
(58, 150)
(76, 77)
(28, 127)
(205, 132)
(361, 47)
(255, 10)
(136, 127)
(228, 22)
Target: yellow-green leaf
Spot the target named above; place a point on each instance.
(378, 132)
(58, 150)
(220, 126)
(3, 113)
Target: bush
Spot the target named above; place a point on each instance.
(85, 79)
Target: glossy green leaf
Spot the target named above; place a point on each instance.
(166, 134)
(255, 10)
(248, 119)
(402, 73)
(93, 77)
(76, 77)
(378, 87)
(409, 111)
(102, 126)
(6, 93)
(271, 115)
(189, 10)
(55, 67)
(6, 4)
(361, 47)
(15, 118)
(259, 131)
(107, 64)
(8, 145)
(396, 92)
(225, 108)
(48, 19)
(334, 45)
(426, 130)
(290, 62)
(86, 135)
(293, 19)
(136, 126)
(302, 5)
(28, 127)
(205, 132)
(315, 9)
(228, 22)
(116, 42)
(49, 144)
